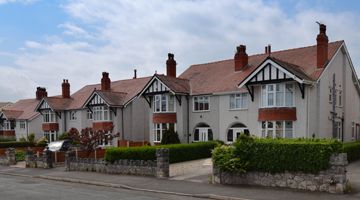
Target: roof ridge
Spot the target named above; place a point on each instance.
(172, 77)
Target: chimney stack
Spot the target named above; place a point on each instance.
(171, 65)
(268, 49)
(240, 58)
(105, 81)
(322, 42)
(65, 88)
(135, 75)
(40, 93)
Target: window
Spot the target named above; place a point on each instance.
(330, 95)
(340, 98)
(159, 129)
(7, 126)
(238, 101)
(235, 131)
(277, 129)
(353, 130)
(339, 130)
(51, 136)
(72, 115)
(105, 141)
(49, 116)
(201, 103)
(203, 134)
(22, 125)
(164, 103)
(101, 113)
(277, 95)
(89, 115)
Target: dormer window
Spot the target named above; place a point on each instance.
(164, 103)
(49, 116)
(277, 95)
(101, 113)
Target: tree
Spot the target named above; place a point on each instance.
(89, 139)
(170, 137)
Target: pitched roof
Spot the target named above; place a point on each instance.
(23, 109)
(217, 77)
(113, 98)
(4, 104)
(58, 103)
(177, 85)
(12, 114)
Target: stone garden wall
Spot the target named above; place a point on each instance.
(9, 158)
(332, 180)
(158, 168)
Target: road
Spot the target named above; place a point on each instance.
(20, 188)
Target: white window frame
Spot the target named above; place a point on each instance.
(72, 116)
(234, 130)
(166, 102)
(161, 130)
(266, 95)
(105, 142)
(203, 136)
(201, 99)
(49, 116)
(22, 125)
(7, 126)
(240, 97)
(49, 134)
(102, 114)
(89, 115)
(265, 131)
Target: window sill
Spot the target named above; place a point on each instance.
(237, 109)
(164, 112)
(200, 111)
(278, 107)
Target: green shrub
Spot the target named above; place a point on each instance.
(31, 137)
(64, 136)
(19, 155)
(353, 150)
(224, 158)
(18, 144)
(178, 152)
(279, 155)
(7, 140)
(170, 137)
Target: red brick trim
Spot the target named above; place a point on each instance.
(164, 118)
(102, 126)
(50, 126)
(7, 134)
(271, 114)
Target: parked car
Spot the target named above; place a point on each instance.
(61, 145)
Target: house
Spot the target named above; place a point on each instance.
(110, 106)
(308, 92)
(18, 120)
(4, 104)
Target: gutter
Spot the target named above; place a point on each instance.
(188, 119)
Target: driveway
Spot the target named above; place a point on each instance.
(353, 174)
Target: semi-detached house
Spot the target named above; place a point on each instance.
(310, 91)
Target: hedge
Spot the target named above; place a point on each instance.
(353, 150)
(280, 155)
(178, 152)
(19, 144)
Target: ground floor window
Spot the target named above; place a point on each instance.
(106, 140)
(159, 130)
(235, 131)
(203, 133)
(277, 129)
(338, 125)
(51, 136)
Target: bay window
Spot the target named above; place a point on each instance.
(101, 113)
(277, 95)
(238, 101)
(7, 125)
(164, 103)
(201, 103)
(277, 129)
(49, 116)
(159, 130)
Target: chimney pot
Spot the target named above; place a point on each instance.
(65, 86)
(171, 65)
(240, 58)
(135, 75)
(322, 42)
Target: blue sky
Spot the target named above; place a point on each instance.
(42, 42)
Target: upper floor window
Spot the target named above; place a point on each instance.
(102, 113)
(72, 115)
(22, 125)
(49, 116)
(201, 103)
(7, 125)
(164, 103)
(238, 101)
(89, 115)
(277, 95)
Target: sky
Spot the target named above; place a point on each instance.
(43, 42)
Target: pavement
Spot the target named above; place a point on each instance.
(184, 188)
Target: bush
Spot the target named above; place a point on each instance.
(7, 140)
(279, 155)
(31, 137)
(178, 152)
(353, 150)
(64, 136)
(170, 137)
(19, 155)
(19, 144)
(224, 158)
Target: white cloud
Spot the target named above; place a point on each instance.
(118, 36)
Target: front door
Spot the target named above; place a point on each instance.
(203, 134)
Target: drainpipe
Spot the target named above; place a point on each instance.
(64, 118)
(188, 119)
(122, 124)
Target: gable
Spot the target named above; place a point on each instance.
(155, 86)
(95, 100)
(43, 105)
